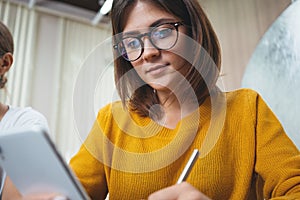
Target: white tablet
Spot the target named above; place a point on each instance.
(33, 163)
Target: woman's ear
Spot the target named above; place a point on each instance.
(6, 62)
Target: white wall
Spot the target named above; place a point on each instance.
(240, 24)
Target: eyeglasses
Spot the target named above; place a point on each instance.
(162, 37)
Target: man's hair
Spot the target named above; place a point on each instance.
(6, 40)
(6, 46)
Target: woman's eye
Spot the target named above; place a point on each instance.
(132, 44)
(162, 33)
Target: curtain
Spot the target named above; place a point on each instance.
(51, 55)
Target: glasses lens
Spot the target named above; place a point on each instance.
(122, 50)
(130, 48)
(164, 36)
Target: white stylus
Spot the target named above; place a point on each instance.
(188, 167)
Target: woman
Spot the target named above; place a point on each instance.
(167, 61)
(13, 117)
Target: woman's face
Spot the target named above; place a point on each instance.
(158, 68)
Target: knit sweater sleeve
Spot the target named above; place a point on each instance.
(277, 158)
(88, 170)
(88, 161)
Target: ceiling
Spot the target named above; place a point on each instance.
(92, 5)
(86, 10)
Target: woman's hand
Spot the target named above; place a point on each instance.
(11, 192)
(43, 197)
(182, 191)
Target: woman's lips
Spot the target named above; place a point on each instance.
(155, 70)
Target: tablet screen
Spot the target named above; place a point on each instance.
(33, 163)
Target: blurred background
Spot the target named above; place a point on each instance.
(57, 42)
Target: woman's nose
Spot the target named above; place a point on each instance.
(150, 51)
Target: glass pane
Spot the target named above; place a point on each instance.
(274, 70)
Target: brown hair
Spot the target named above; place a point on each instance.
(202, 76)
(6, 46)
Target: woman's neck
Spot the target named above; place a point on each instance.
(175, 111)
(3, 110)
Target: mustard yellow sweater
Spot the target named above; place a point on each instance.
(244, 152)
